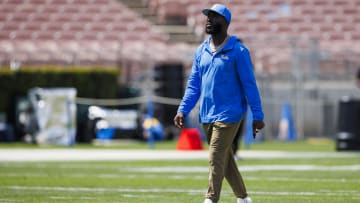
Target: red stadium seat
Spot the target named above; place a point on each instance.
(47, 8)
(70, 9)
(32, 26)
(37, 1)
(43, 35)
(5, 34)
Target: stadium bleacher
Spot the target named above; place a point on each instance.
(334, 23)
(96, 31)
(76, 32)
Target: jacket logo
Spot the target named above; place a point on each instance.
(224, 57)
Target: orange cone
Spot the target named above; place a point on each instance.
(189, 139)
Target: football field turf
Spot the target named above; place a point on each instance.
(328, 178)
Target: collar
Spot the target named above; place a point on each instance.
(227, 47)
(215, 49)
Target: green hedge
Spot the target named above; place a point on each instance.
(91, 82)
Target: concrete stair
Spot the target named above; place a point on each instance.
(176, 32)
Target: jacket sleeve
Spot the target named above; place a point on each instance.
(193, 87)
(248, 81)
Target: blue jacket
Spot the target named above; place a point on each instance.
(224, 82)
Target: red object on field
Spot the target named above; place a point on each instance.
(189, 139)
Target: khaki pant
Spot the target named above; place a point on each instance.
(221, 160)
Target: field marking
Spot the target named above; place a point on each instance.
(72, 198)
(251, 168)
(332, 180)
(199, 169)
(9, 200)
(341, 193)
(28, 155)
(183, 177)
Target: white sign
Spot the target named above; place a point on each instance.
(55, 112)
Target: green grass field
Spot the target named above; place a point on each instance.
(280, 180)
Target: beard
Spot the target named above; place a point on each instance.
(213, 29)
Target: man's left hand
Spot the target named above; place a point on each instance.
(257, 125)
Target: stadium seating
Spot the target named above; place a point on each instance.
(267, 27)
(334, 23)
(73, 31)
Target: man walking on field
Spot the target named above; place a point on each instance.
(222, 78)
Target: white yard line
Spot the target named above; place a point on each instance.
(9, 200)
(187, 169)
(176, 190)
(21, 155)
(182, 177)
(248, 168)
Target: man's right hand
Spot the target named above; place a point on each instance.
(179, 120)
